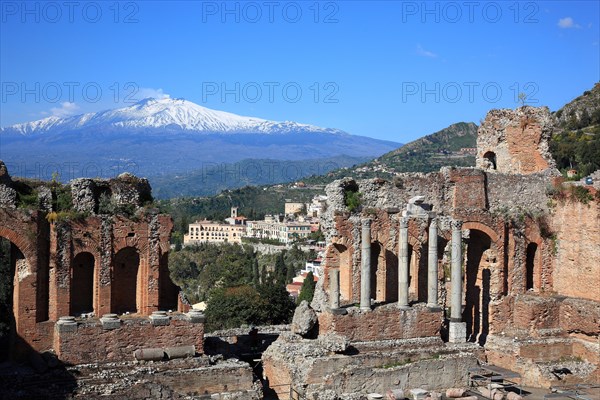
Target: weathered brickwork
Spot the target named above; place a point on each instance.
(383, 323)
(528, 264)
(515, 141)
(92, 265)
(90, 343)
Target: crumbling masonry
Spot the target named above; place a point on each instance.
(110, 268)
(482, 258)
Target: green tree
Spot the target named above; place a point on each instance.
(279, 306)
(307, 290)
(232, 307)
(280, 269)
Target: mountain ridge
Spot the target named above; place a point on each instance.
(167, 136)
(166, 114)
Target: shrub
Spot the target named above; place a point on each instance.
(352, 199)
(581, 194)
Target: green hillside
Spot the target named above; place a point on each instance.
(427, 154)
(576, 143)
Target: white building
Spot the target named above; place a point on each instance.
(216, 232)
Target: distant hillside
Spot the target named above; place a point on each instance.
(448, 147)
(212, 178)
(576, 142)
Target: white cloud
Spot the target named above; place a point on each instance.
(425, 53)
(567, 23)
(144, 93)
(66, 109)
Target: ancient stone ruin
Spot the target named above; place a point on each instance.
(430, 277)
(105, 259)
(516, 271)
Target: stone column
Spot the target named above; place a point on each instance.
(334, 288)
(365, 267)
(334, 292)
(432, 267)
(458, 329)
(403, 271)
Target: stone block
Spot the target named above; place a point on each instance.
(110, 321)
(196, 317)
(418, 394)
(159, 318)
(457, 332)
(66, 325)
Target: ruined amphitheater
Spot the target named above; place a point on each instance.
(436, 281)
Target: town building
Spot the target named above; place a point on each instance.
(276, 228)
(217, 232)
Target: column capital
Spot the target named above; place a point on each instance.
(365, 222)
(403, 222)
(433, 223)
(456, 224)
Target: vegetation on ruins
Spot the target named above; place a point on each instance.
(562, 192)
(239, 285)
(352, 199)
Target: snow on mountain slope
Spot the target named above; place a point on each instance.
(167, 115)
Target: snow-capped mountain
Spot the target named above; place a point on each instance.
(175, 137)
(166, 115)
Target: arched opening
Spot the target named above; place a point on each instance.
(477, 283)
(167, 290)
(530, 266)
(342, 261)
(391, 276)
(11, 261)
(126, 266)
(377, 271)
(82, 284)
(490, 160)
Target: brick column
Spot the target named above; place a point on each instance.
(403, 269)
(458, 329)
(365, 267)
(432, 267)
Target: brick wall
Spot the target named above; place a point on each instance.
(91, 343)
(382, 323)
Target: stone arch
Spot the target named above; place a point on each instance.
(478, 279)
(24, 245)
(491, 233)
(125, 282)
(490, 161)
(20, 290)
(83, 267)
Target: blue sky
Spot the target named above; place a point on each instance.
(393, 70)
